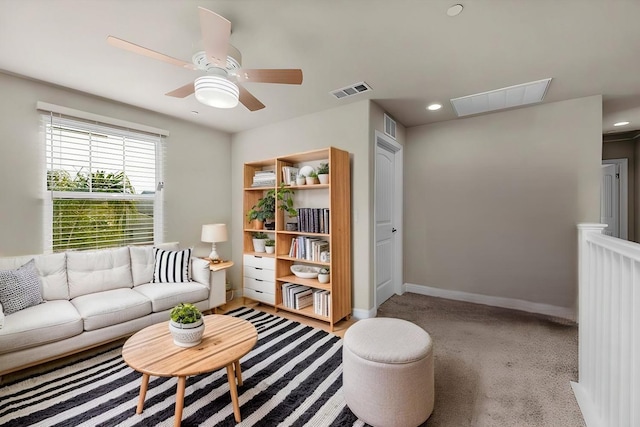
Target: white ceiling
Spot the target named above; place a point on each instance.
(409, 51)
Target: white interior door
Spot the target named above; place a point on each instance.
(388, 209)
(609, 203)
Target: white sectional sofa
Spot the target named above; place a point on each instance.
(93, 297)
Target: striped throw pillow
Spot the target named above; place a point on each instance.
(171, 266)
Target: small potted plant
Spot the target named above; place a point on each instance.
(263, 211)
(186, 325)
(323, 173)
(301, 179)
(323, 275)
(259, 239)
(270, 246)
(312, 178)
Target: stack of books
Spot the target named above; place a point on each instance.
(296, 296)
(264, 179)
(321, 302)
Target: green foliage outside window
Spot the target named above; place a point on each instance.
(97, 223)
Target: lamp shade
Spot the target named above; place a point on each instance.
(216, 91)
(214, 233)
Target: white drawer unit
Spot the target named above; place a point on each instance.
(259, 278)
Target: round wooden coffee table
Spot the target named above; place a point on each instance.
(226, 339)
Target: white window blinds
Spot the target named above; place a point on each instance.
(104, 184)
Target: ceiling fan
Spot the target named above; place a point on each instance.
(221, 85)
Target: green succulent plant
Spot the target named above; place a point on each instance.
(185, 313)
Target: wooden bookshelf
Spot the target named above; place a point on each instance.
(334, 196)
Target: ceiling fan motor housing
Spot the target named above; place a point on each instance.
(202, 62)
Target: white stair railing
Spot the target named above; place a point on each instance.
(608, 390)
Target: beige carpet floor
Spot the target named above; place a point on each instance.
(495, 367)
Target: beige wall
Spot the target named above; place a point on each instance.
(625, 150)
(344, 127)
(492, 202)
(197, 169)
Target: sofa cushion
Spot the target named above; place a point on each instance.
(52, 269)
(90, 272)
(20, 288)
(142, 261)
(171, 266)
(164, 296)
(107, 308)
(40, 324)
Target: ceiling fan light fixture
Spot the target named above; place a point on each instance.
(216, 91)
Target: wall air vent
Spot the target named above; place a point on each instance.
(389, 126)
(353, 89)
(508, 97)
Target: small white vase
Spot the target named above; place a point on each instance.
(270, 249)
(301, 180)
(323, 178)
(187, 334)
(323, 278)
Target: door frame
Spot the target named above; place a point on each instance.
(384, 141)
(622, 167)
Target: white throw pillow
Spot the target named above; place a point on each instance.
(171, 266)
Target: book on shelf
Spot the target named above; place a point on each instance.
(289, 175)
(321, 302)
(313, 220)
(264, 178)
(296, 296)
(308, 248)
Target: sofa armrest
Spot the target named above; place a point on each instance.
(200, 271)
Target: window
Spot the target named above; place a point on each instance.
(101, 185)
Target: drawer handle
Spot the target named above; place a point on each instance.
(260, 292)
(256, 256)
(258, 268)
(258, 280)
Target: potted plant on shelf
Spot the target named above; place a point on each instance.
(301, 179)
(323, 275)
(312, 178)
(259, 239)
(323, 173)
(270, 246)
(263, 211)
(186, 325)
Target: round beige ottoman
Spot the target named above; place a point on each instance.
(387, 372)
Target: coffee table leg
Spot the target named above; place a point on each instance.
(234, 391)
(236, 365)
(182, 382)
(143, 392)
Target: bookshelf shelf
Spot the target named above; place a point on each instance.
(327, 211)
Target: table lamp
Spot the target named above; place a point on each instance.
(213, 233)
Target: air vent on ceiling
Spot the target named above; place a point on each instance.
(508, 97)
(351, 90)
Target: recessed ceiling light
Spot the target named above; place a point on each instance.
(455, 10)
(434, 107)
(621, 124)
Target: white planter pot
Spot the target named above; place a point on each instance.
(323, 278)
(270, 249)
(301, 181)
(187, 335)
(258, 245)
(311, 180)
(323, 178)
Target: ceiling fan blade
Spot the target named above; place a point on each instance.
(249, 101)
(216, 31)
(282, 76)
(182, 92)
(132, 47)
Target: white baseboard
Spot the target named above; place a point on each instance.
(364, 314)
(588, 409)
(515, 304)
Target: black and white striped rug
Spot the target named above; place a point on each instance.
(293, 377)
